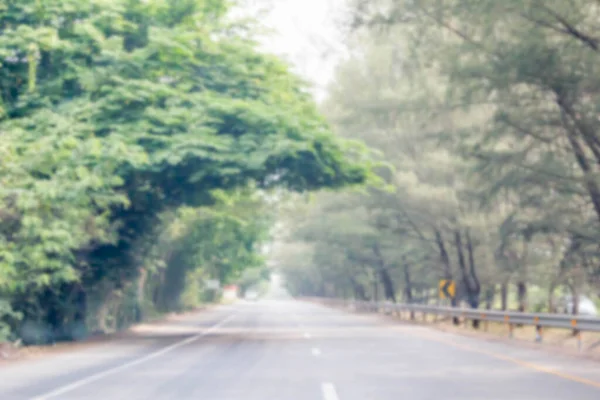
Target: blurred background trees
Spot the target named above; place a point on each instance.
(486, 115)
(150, 148)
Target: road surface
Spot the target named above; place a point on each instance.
(289, 350)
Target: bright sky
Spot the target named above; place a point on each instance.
(306, 34)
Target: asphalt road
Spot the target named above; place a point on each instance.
(288, 350)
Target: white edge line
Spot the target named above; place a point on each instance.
(329, 392)
(316, 352)
(100, 375)
(307, 335)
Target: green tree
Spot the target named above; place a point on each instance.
(117, 113)
(487, 114)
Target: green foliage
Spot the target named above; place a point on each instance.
(117, 114)
(488, 111)
(256, 278)
(7, 317)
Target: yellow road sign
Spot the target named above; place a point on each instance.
(447, 289)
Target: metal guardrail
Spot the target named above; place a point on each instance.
(576, 323)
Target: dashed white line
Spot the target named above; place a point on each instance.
(329, 392)
(92, 378)
(307, 335)
(315, 351)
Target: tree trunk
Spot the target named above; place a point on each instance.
(388, 285)
(158, 293)
(104, 311)
(408, 291)
(446, 266)
(523, 275)
(576, 129)
(389, 291)
(522, 295)
(575, 300)
(469, 278)
(475, 289)
(490, 294)
(358, 289)
(551, 303)
(591, 185)
(375, 290)
(443, 255)
(504, 295)
(469, 285)
(140, 295)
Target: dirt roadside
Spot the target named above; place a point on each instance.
(557, 341)
(10, 355)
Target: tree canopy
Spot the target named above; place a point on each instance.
(123, 119)
(487, 113)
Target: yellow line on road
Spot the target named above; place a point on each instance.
(526, 364)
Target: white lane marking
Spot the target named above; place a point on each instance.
(307, 335)
(329, 392)
(92, 378)
(315, 351)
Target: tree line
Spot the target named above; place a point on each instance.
(485, 116)
(140, 140)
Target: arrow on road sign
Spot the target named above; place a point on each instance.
(447, 289)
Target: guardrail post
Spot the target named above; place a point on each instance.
(538, 330)
(539, 334)
(577, 334)
(510, 326)
(477, 322)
